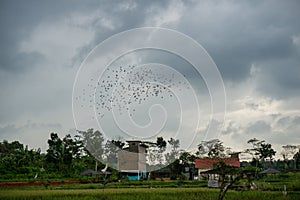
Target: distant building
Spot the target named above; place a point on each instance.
(205, 165)
(132, 160)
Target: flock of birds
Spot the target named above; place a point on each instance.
(124, 88)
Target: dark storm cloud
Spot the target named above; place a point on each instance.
(125, 14)
(280, 78)
(238, 34)
(249, 40)
(17, 20)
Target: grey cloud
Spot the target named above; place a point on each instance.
(17, 20)
(33, 134)
(279, 78)
(284, 131)
(288, 122)
(258, 127)
(231, 128)
(236, 34)
(20, 62)
(9, 131)
(124, 18)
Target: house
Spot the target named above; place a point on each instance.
(132, 160)
(205, 166)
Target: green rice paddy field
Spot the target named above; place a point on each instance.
(141, 194)
(270, 188)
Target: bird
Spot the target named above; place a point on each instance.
(124, 87)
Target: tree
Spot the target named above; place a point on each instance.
(288, 151)
(118, 143)
(93, 142)
(172, 155)
(78, 146)
(260, 151)
(161, 145)
(112, 147)
(55, 151)
(175, 144)
(19, 160)
(187, 160)
(297, 159)
(69, 150)
(155, 152)
(266, 151)
(213, 148)
(61, 152)
(253, 151)
(255, 146)
(228, 176)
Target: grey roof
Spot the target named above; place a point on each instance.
(270, 171)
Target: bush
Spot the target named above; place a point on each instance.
(182, 177)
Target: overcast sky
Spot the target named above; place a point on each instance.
(255, 45)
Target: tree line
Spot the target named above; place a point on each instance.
(67, 157)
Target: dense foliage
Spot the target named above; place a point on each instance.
(67, 157)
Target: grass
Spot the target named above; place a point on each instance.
(141, 193)
(127, 184)
(270, 189)
(276, 182)
(138, 184)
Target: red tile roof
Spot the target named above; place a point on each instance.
(207, 163)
